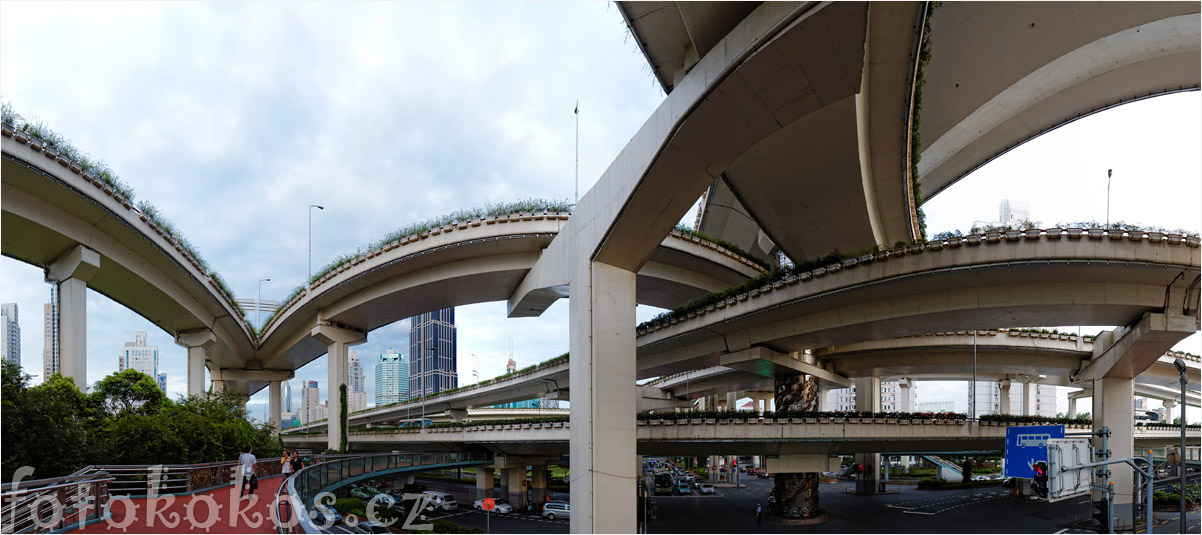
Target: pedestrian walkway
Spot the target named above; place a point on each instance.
(215, 511)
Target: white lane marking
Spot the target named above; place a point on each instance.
(1063, 530)
(919, 513)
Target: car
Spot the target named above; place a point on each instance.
(502, 507)
(553, 510)
(707, 488)
(367, 526)
(1008, 482)
(323, 515)
(764, 475)
(981, 478)
(439, 500)
(682, 488)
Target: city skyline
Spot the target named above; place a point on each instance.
(516, 140)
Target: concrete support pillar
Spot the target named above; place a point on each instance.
(274, 402)
(538, 483)
(218, 384)
(731, 401)
(1169, 405)
(602, 379)
(868, 399)
(1004, 396)
(337, 341)
(71, 274)
(514, 481)
(484, 482)
(796, 487)
(1112, 408)
(1029, 389)
(197, 343)
(1072, 407)
(903, 393)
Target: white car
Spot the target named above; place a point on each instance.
(707, 488)
(502, 507)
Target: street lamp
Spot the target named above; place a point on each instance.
(476, 372)
(309, 281)
(259, 303)
(1108, 173)
(1180, 365)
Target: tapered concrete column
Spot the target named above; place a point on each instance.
(602, 380)
(71, 274)
(1072, 407)
(1112, 408)
(337, 341)
(1004, 396)
(903, 392)
(868, 398)
(1168, 405)
(731, 401)
(514, 481)
(538, 482)
(273, 404)
(1029, 389)
(484, 482)
(198, 344)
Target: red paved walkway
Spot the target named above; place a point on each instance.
(215, 511)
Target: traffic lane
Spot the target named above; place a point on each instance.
(510, 523)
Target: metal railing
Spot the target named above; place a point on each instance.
(303, 487)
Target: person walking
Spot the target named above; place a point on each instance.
(246, 465)
(296, 462)
(758, 510)
(286, 465)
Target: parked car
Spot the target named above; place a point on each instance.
(439, 500)
(502, 507)
(324, 515)
(981, 478)
(707, 488)
(367, 526)
(553, 510)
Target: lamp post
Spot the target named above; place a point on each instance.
(1108, 173)
(309, 281)
(1180, 365)
(476, 372)
(259, 303)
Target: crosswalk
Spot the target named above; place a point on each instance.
(939, 504)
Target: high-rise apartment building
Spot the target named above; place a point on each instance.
(50, 335)
(844, 399)
(432, 366)
(10, 351)
(139, 356)
(392, 378)
(162, 380)
(1012, 212)
(285, 397)
(988, 398)
(309, 402)
(356, 395)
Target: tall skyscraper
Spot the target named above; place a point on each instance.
(392, 378)
(433, 367)
(11, 348)
(511, 366)
(310, 401)
(50, 335)
(139, 356)
(356, 395)
(285, 397)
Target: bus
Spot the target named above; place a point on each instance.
(663, 483)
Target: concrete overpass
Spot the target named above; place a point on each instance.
(697, 437)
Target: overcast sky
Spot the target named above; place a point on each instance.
(232, 118)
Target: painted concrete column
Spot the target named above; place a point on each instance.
(1004, 396)
(71, 274)
(1112, 408)
(337, 341)
(1029, 389)
(273, 403)
(197, 344)
(868, 399)
(796, 490)
(602, 379)
(538, 482)
(484, 482)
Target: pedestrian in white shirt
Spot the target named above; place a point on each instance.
(246, 464)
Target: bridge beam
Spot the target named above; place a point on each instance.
(338, 340)
(1126, 352)
(602, 381)
(71, 273)
(198, 344)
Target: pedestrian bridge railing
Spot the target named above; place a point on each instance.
(303, 489)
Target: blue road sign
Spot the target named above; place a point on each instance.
(1026, 446)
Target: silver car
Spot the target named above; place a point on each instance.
(706, 488)
(553, 510)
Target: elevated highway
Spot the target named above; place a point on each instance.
(1030, 278)
(753, 436)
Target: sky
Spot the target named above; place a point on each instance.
(232, 118)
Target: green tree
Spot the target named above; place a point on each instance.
(128, 391)
(51, 428)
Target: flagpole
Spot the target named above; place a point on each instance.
(576, 112)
